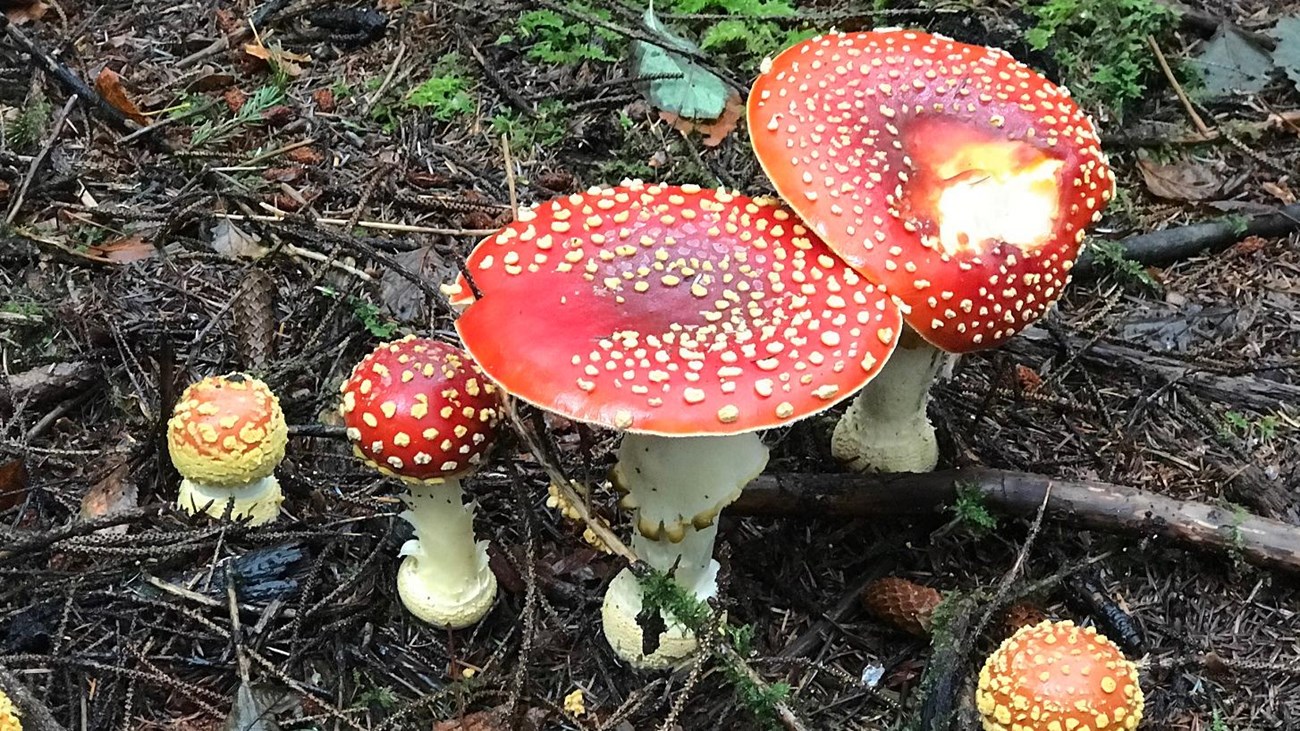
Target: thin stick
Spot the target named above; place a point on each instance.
(317, 256)
(510, 172)
(277, 151)
(378, 225)
(388, 81)
(1178, 89)
(55, 130)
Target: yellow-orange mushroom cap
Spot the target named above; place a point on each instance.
(1055, 676)
(227, 431)
(9, 715)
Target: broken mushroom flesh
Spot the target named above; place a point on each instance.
(688, 319)
(226, 436)
(953, 175)
(422, 411)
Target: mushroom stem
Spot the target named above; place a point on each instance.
(676, 487)
(258, 501)
(445, 579)
(690, 560)
(886, 428)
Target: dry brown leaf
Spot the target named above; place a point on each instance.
(228, 22)
(324, 99)
(1182, 180)
(1019, 615)
(1250, 245)
(286, 61)
(304, 155)
(21, 12)
(286, 174)
(210, 81)
(123, 250)
(400, 297)
(234, 99)
(1028, 378)
(13, 483)
(714, 131)
(1280, 191)
(230, 240)
(109, 86)
(114, 493)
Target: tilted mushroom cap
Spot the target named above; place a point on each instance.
(227, 431)
(954, 175)
(1054, 675)
(672, 310)
(420, 409)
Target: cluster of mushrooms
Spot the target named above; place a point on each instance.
(934, 197)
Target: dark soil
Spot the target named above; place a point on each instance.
(113, 298)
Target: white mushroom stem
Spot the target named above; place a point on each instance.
(886, 428)
(445, 579)
(676, 487)
(258, 501)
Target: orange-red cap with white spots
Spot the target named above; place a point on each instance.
(952, 174)
(1054, 676)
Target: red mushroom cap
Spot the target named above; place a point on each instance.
(952, 174)
(672, 310)
(420, 410)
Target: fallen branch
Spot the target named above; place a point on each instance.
(1181, 242)
(1257, 393)
(1085, 504)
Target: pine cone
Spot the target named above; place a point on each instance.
(1020, 614)
(255, 319)
(903, 604)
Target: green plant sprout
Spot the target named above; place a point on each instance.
(663, 595)
(30, 124)
(547, 128)
(1101, 46)
(250, 113)
(369, 314)
(445, 94)
(556, 38)
(1238, 425)
(1111, 255)
(971, 510)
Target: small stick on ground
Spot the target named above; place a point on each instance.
(56, 129)
(1178, 89)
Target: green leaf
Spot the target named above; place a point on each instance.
(1287, 53)
(688, 89)
(1231, 62)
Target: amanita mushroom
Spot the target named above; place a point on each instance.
(9, 719)
(1054, 675)
(953, 175)
(422, 411)
(688, 319)
(226, 436)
